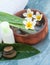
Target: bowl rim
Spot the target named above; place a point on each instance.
(45, 19)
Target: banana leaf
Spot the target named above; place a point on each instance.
(23, 51)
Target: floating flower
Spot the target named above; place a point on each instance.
(29, 24)
(28, 14)
(38, 16)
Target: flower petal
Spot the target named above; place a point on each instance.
(33, 27)
(25, 14)
(26, 27)
(37, 13)
(28, 10)
(34, 16)
(32, 12)
(28, 19)
(34, 22)
(24, 22)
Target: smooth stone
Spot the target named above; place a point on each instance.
(9, 52)
(8, 49)
(9, 56)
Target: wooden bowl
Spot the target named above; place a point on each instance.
(32, 38)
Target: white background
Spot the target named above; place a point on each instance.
(12, 6)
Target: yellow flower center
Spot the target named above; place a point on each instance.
(29, 25)
(38, 17)
(29, 15)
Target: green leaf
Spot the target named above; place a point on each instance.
(10, 18)
(14, 21)
(18, 26)
(23, 50)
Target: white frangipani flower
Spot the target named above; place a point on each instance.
(28, 14)
(38, 16)
(31, 18)
(29, 24)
